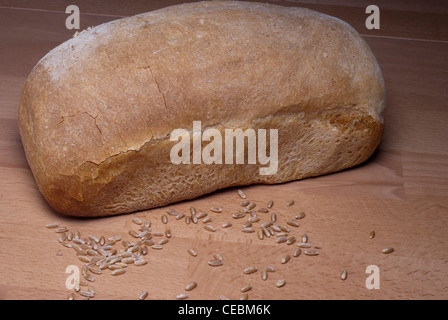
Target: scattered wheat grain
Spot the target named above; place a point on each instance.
(280, 283)
(300, 215)
(250, 270)
(241, 194)
(246, 288)
(143, 295)
(311, 252)
(118, 272)
(210, 228)
(190, 286)
(192, 252)
(52, 225)
(285, 259)
(216, 209)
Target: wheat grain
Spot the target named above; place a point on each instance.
(148, 242)
(62, 237)
(143, 295)
(52, 225)
(163, 241)
(201, 215)
(171, 212)
(226, 225)
(115, 267)
(86, 293)
(304, 238)
(95, 270)
(215, 263)
(243, 210)
(253, 219)
(285, 259)
(179, 216)
(246, 288)
(250, 270)
(266, 224)
(269, 269)
(118, 272)
(244, 203)
(248, 229)
(311, 252)
(83, 282)
(251, 205)
(210, 228)
(238, 215)
(266, 232)
(133, 234)
(61, 230)
(190, 286)
(297, 252)
(281, 239)
(217, 256)
(192, 252)
(128, 260)
(85, 259)
(140, 262)
(241, 194)
(300, 215)
(264, 275)
(292, 223)
(168, 233)
(137, 220)
(207, 220)
(387, 250)
(280, 283)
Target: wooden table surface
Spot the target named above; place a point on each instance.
(401, 192)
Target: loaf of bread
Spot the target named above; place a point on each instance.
(97, 113)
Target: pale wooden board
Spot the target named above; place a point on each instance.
(401, 193)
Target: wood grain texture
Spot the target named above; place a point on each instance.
(401, 193)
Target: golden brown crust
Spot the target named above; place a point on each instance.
(96, 112)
